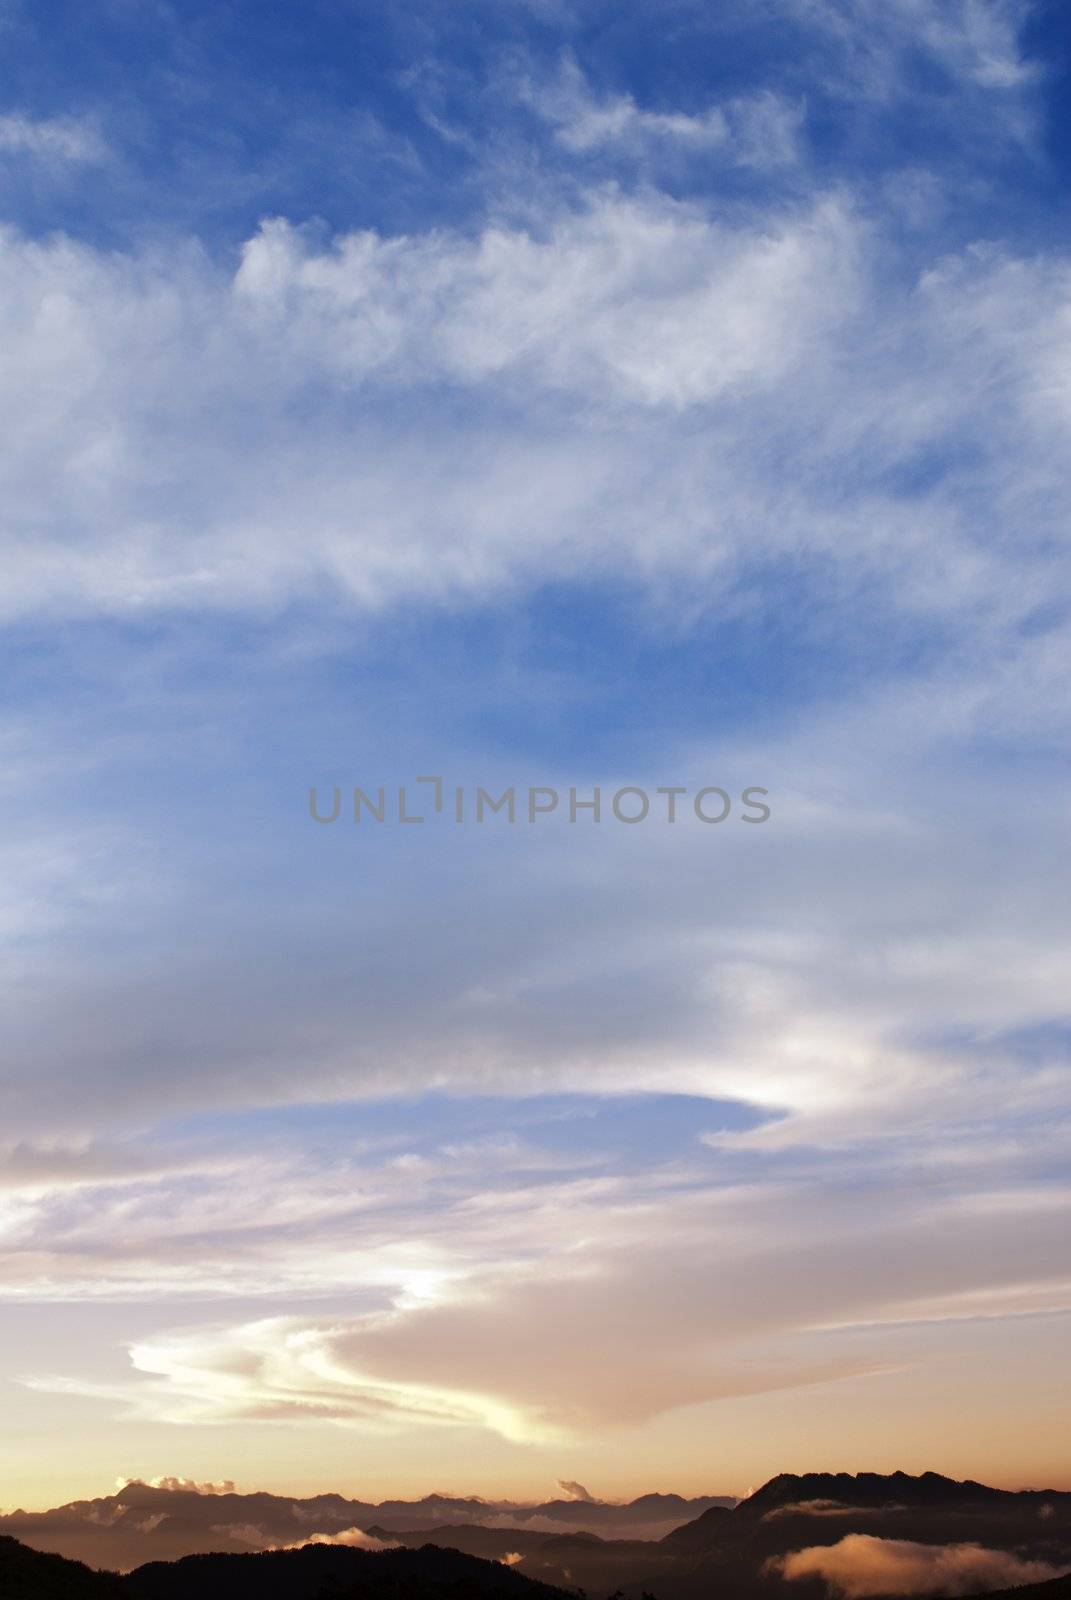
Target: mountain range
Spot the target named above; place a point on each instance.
(803, 1537)
(144, 1522)
(844, 1522)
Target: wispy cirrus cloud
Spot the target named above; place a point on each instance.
(518, 350)
(54, 139)
(509, 1305)
(760, 130)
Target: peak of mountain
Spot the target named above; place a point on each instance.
(794, 1510)
(705, 1530)
(646, 1511)
(875, 1489)
(675, 1502)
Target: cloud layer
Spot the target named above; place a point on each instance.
(712, 432)
(565, 356)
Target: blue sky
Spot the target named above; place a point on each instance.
(556, 394)
(393, 117)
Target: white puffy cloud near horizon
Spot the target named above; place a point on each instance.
(861, 1565)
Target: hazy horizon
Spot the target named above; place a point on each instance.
(371, 1490)
(553, 1492)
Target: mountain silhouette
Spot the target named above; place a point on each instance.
(27, 1574)
(313, 1572)
(144, 1522)
(1055, 1589)
(875, 1489)
(334, 1572)
(731, 1553)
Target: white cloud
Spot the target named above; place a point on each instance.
(980, 39)
(759, 130)
(977, 42)
(627, 302)
(352, 1538)
(284, 1369)
(547, 375)
(861, 1565)
(574, 1491)
(516, 1309)
(186, 1485)
(64, 139)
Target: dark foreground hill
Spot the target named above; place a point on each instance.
(333, 1572)
(1055, 1589)
(314, 1572)
(27, 1574)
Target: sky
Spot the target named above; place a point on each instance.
(541, 396)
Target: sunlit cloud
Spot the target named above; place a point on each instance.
(862, 1565)
(352, 1538)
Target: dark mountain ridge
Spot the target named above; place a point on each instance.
(313, 1572)
(27, 1574)
(316, 1571)
(821, 1507)
(1055, 1589)
(144, 1522)
(875, 1489)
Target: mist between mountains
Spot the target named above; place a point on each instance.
(430, 798)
